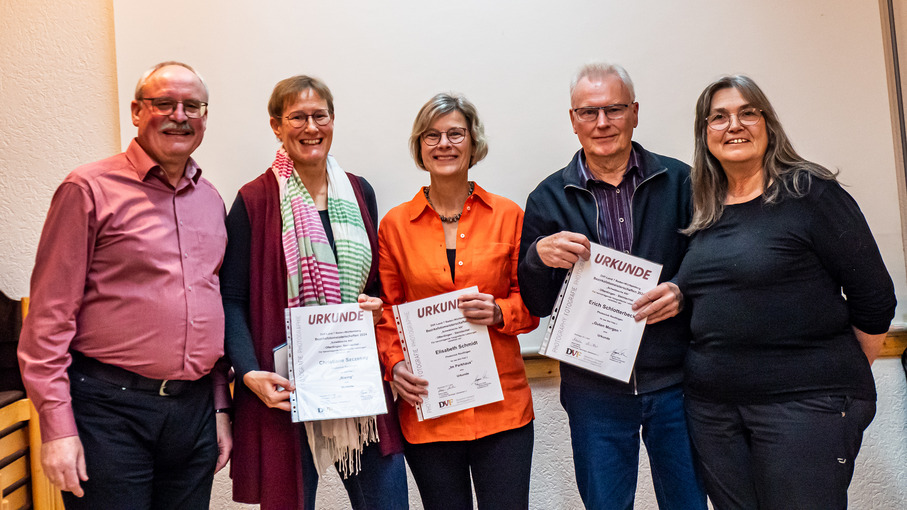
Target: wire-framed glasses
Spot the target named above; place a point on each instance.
(166, 105)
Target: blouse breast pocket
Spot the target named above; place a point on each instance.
(493, 262)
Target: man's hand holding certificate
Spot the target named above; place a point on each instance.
(454, 355)
(593, 323)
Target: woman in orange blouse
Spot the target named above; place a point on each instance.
(453, 234)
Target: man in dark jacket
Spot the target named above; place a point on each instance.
(617, 194)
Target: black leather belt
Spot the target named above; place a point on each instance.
(126, 379)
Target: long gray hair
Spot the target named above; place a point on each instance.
(785, 173)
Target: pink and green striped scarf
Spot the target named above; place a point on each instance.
(314, 275)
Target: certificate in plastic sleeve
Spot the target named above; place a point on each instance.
(592, 324)
(333, 361)
(454, 355)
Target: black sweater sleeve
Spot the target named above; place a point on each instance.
(847, 249)
(234, 289)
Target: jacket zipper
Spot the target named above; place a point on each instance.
(632, 220)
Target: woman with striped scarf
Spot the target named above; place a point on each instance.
(302, 234)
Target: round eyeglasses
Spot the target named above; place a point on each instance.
(454, 136)
(166, 105)
(719, 121)
(300, 119)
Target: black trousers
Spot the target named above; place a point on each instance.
(143, 450)
(500, 465)
(797, 454)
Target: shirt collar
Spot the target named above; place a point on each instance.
(144, 164)
(634, 164)
(419, 205)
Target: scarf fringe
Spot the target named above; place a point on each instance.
(343, 449)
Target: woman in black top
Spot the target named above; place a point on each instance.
(778, 381)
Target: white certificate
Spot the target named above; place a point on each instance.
(333, 361)
(454, 355)
(592, 324)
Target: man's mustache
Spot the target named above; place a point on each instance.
(177, 126)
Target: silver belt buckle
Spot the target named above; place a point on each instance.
(163, 390)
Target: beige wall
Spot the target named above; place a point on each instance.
(58, 109)
(57, 81)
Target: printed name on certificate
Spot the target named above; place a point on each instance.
(592, 325)
(454, 355)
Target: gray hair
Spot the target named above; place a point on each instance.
(147, 74)
(437, 107)
(784, 172)
(601, 70)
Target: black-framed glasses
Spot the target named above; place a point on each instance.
(612, 111)
(300, 119)
(719, 121)
(166, 105)
(454, 136)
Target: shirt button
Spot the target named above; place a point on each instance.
(621, 220)
(192, 322)
(462, 236)
(468, 207)
(190, 288)
(460, 263)
(618, 191)
(181, 223)
(186, 254)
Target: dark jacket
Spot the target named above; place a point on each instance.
(661, 206)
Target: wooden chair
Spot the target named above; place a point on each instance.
(23, 484)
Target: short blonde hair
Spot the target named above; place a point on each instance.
(437, 107)
(288, 90)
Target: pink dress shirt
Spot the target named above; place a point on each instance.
(126, 273)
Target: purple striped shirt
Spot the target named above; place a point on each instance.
(615, 218)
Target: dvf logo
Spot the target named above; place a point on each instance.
(445, 403)
(571, 352)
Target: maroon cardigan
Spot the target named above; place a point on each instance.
(266, 465)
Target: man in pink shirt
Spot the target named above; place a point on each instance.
(120, 350)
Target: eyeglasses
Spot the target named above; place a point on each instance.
(300, 119)
(590, 113)
(720, 121)
(454, 136)
(166, 105)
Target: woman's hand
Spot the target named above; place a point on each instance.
(481, 309)
(408, 385)
(660, 303)
(264, 384)
(371, 304)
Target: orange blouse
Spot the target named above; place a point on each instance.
(413, 264)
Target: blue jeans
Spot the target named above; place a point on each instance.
(605, 430)
(379, 484)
